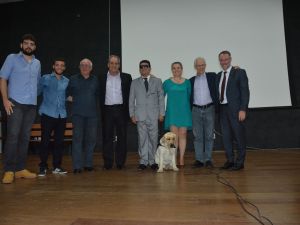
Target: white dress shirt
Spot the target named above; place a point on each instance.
(220, 84)
(113, 94)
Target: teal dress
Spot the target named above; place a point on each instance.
(178, 112)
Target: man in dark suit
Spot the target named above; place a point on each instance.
(114, 96)
(234, 100)
(203, 102)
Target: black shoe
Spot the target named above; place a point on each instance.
(88, 168)
(120, 167)
(142, 167)
(227, 166)
(154, 166)
(209, 164)
(77, 171)
(107, 167)
(198, 164)
(237, 167)
(42, 172)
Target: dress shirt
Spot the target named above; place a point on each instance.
(113, 94)
(23, 78)
(201, 91)
(220, 84)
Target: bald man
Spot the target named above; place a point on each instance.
(83, 91)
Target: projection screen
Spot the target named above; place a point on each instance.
(165, 31)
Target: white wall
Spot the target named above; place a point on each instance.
(165, 31)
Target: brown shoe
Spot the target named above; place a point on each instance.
(25, 174)
(8, 177)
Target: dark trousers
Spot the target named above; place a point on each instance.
(114, 121)
(84, 140)
(57, 126)
(18, 133)
(233, 129)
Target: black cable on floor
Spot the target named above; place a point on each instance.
(243, 202)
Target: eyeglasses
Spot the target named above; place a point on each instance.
(144, 66)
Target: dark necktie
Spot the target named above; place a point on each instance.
(223, 87)
(146, 83)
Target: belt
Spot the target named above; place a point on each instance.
(203, 106)
(113, 106)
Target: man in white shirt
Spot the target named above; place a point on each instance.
(114, 95)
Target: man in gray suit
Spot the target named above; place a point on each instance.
(146, 107)
(234, 100)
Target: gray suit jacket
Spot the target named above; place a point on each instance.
(146, 105)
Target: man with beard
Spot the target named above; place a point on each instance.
(20, 75)
(53, 116)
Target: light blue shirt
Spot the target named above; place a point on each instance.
(54, 95)
(201, 91)
(23, 78)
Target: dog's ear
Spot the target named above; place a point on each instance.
(163, 141)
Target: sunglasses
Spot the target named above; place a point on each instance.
(144, 66)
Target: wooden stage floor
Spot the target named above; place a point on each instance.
(270, 180)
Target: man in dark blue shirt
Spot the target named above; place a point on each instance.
(83, 91)
(53, 116)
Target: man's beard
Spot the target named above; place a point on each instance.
(26, 52)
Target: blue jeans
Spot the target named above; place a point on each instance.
(18, 133)
(203, 130)
(84, 140)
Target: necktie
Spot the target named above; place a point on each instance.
(223, 87)
(146, 84)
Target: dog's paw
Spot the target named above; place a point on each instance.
(175, 169)
(160, 170)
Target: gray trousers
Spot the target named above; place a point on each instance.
(147, 140)
(17, 139)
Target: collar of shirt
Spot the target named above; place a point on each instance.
(54, 75)
(148, 78)
(228, 71)
(21, 54)
(113, 76)
(201, 76)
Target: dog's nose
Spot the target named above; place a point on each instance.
(172, 146)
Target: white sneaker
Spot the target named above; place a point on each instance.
(59, 171)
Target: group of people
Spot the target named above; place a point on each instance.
(191, 104)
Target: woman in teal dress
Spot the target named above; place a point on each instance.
(178, 117)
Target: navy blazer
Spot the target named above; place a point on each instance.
(125, 85)
(212, 85)
(237, 91)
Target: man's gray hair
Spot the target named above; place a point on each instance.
(86, 60)
(199, 58)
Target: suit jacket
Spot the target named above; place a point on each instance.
(212, 82)
(146, 105)
(125, 86)
(237, 90)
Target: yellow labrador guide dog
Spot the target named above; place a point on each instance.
(165, 155)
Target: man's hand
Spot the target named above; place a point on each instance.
(133, 119)
(70, 98)
(8, 105)
(161, 118)
(242, 115)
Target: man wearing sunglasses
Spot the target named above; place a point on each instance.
(146, 107)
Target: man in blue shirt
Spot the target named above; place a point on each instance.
(53, 116)
(204, 102)
(19, 75)
(83, 91)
